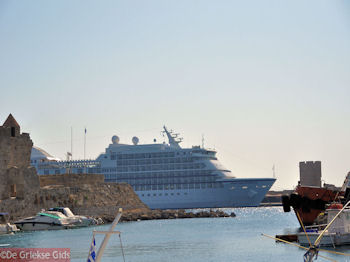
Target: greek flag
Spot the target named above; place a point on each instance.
(311, 254)
(92, 252)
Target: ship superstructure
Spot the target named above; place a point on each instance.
(166, 175)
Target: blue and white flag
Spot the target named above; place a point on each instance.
(92, 252)
(311, 254)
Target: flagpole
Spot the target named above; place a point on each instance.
(84, 142)
(107, 236)
(71, 142)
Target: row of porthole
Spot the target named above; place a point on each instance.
(165, 194)
(246, 187)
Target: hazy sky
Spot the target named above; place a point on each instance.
(266, 82)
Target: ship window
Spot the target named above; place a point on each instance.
(210, 185)
(160, 187)
(154, 194)
(185, 186)
(197, 186)
(178, 186)
(148, 194)
(244, 187)
(203, 185)
(166, 194)
(172, 194)
(185, 193)
(143, 195)
(178, 194)
(191, 186)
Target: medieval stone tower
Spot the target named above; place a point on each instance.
(16, 174)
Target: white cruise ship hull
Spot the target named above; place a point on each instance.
(237, 193)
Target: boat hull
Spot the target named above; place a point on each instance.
(309, 202)
(328, 239)
(234, 193)
(34, 226)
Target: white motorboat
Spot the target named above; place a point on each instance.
(79, 221)
(337, 234)
(5, 226)
(45, 220)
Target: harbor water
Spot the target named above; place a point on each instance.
(198, 239)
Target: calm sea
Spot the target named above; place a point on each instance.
(199, 239)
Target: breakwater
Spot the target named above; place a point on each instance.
(167, 214)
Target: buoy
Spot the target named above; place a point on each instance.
(336, 206)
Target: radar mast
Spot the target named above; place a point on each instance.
(174, 140)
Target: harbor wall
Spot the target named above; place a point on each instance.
(98, 200)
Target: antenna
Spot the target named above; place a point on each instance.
(273, 171)
(202, 140)
(84, 142)
(71, 142)
(174, 140)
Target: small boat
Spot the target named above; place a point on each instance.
(5, 226)
(335, 232)
(79, 221)
(45, 220)
(338, 233)
(309, 198)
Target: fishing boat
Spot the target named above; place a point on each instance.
(309, 198)
(5, 226)
(335, 232)
(338, 233)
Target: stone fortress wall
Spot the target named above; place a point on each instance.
(23, 193)
(70, 179)
(17, 177)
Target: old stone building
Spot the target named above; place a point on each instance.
(16, 175)
(23, 193)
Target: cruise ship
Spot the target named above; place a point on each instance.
(164, 176)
